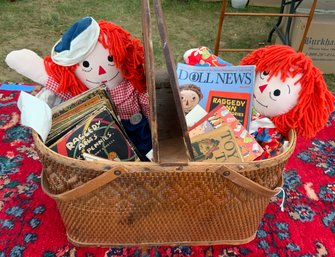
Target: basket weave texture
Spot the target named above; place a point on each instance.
(106, 203)
(168, 202)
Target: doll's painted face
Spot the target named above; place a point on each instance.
(274, 97)
(189, 99)
(99, 68)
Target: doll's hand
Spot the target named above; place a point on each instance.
(28, 64)
(49, 97)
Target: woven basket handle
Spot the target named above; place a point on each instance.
(246, 183)
(88, 187)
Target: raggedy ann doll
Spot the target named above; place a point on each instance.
(89, 54)
(289, 93)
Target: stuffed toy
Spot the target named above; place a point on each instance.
(289, 93)
(89, 54)
(202, 56)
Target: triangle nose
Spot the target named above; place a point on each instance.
(101, 70)
(262, 87)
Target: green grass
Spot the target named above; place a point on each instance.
(330, 81)
(38, 24)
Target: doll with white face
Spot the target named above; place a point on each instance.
(289, 93)
(98, 68)
(108, 55)
(88, 55)
(132, 106)
(289, 90)
(272, 96)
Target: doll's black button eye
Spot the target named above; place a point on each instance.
(276, 92)
(86, 64)
(265, 73)
(110, 58)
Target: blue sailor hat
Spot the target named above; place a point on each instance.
(76, 43)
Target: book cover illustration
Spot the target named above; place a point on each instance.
(204, 127)
(218, 145)
(221, 116)
(210, 86)
(97, 135)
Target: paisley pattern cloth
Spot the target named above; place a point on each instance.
(30, 225)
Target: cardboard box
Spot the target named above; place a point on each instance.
(267, 3)
(320, 40)
(322, 6)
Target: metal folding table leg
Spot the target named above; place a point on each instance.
(285, 36)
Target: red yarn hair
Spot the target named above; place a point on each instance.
(315, 102)
(127, 52)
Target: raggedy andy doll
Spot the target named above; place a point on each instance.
(89, 54)
(289, 93)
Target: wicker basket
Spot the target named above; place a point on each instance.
(168, 202)
(108, 203)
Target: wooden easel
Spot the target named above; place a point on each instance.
(309, 17)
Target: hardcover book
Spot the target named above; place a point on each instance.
(231, 86)
(200, 127)
(221, 116)
(98, 135)
(218, 145)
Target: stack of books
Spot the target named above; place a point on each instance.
(217, 104)
(87, 126)
(221, 129)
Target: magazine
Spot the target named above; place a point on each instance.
(218, 145)
(221, 116)
(99, 135)
(231, 86)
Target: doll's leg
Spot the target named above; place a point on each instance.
(139, 134)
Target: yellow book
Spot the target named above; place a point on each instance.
(218, 145)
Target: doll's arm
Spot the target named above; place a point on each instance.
(28, 64)
(144, 103)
